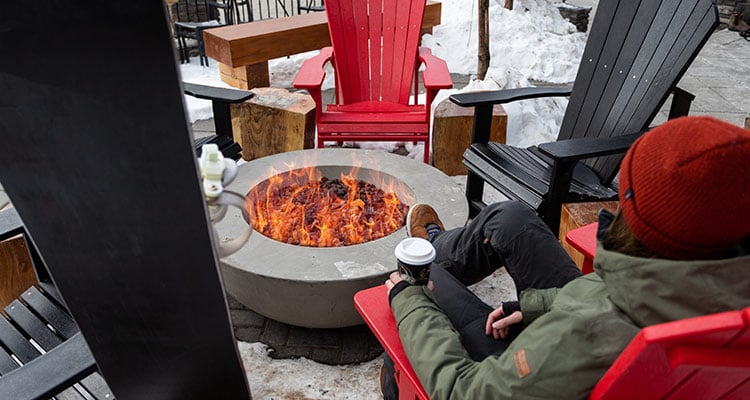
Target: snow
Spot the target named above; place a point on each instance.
(531, 43)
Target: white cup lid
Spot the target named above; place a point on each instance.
(415, 251)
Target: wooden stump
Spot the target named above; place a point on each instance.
(16, 270)
(272, 122)
(245, 77)
(451, 134)
(576, 215)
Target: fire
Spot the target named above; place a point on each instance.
(305, 208)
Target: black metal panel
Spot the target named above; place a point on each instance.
(98, 161)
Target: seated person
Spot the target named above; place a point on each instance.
(677, 248)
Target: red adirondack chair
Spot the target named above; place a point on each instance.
(696, 358)
(376, 58)
(704, 357)
(583, 239)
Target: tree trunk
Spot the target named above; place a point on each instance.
(483, 53)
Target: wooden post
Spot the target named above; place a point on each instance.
(451, 134)
(274, 121)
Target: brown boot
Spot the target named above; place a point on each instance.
(420, 216)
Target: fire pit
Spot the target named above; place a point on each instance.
(313, 287)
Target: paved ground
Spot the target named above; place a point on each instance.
(720, 79)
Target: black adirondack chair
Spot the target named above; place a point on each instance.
(635, 55)
(66, 369)
(99, 163)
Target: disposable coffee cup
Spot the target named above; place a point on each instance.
(414, 257)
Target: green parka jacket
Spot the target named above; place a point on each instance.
(572, 334)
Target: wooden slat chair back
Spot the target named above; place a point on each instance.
(635, 55)
(705, 357)
(368, 72)
(376, 59)
(624, 79)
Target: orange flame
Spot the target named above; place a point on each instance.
(305, 208)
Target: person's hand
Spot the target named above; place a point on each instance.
(393, 279)
(498, 324)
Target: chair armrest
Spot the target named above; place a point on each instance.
(10, 224)
(221, 98)
(311, 74)
(435, 75)
(583, 148)
(484, 101)
(214, 93)
(372, 305)
(681, 100)
(566, 154)
(48, 374)
(492, 97)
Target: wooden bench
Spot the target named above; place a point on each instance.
(243, 50)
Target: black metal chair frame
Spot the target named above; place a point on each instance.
(234, 11)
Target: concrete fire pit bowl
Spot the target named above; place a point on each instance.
(313, 287)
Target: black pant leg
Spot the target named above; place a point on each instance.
(468, 315)
(518, 240)
(531, 253)
(388, 385)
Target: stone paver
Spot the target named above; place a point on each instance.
(330, 346)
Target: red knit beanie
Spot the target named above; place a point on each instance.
(685, 188)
